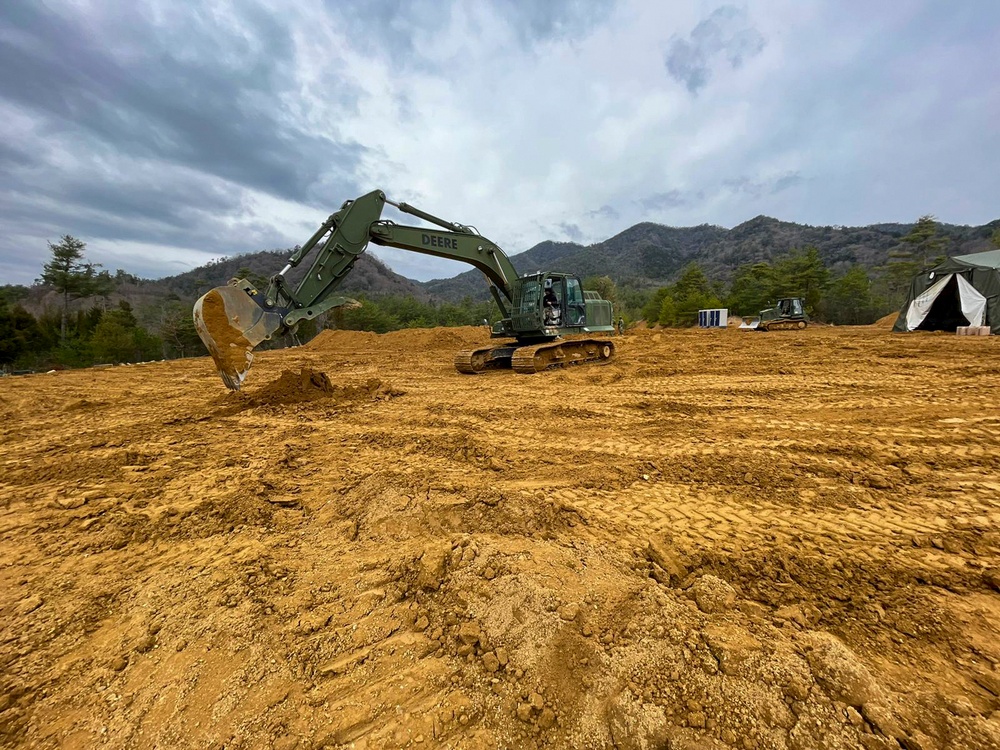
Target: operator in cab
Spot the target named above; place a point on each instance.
(550, 305)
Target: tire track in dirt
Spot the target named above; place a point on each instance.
(704, 520)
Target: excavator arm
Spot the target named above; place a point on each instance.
(233, 319)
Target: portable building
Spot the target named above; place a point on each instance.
(715, 318)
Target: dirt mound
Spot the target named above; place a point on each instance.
(310, 385)
(714, 541)
(409, 339)
(886, 322)
(439, 338)
(296, 387)
(331, 340)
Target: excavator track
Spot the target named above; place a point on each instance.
(472, 361)
(528, 360)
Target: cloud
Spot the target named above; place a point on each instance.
(153, 128)
(669, 199)
(432, 37)
(571, 231)
(13, 156)
(762, 186)
(161, 133)
(203, 91)
(726, 34)
(785, 182)
(606, 213)
(555, 19)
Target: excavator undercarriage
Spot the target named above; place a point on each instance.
(528, 360)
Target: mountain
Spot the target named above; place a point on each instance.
(652, 255)
(644, 256)
(370, 277)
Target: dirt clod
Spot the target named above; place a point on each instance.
(713, 594)
(839, 671)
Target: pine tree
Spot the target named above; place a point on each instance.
(918, 250)
(651, 310)
(849, 300)
(750, 291)
(18, 333)
(69, 275)
(926, 246)
(801, 274)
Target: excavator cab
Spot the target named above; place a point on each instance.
(552, 304)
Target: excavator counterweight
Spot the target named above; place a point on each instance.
(538, 310)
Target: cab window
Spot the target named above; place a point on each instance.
(576, 305)
(530, 296)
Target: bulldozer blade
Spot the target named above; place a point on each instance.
(750, 323)
(230, 324)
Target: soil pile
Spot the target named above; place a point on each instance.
(295, 387)
(886, 322)
(343, 340)
(410, 339)
(718, 540)
(310, 385)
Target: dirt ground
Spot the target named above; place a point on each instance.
(721, 539)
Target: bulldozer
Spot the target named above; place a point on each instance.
(546, 317)
(788, 313)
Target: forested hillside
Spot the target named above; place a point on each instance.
(650, 255)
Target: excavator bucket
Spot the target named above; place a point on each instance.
(230, 324)
(750, 323)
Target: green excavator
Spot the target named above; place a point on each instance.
(546, 316)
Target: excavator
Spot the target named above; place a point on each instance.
(547, 315)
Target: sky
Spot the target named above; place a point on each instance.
(167, 134)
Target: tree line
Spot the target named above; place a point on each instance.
(847, 299)
(852, 296)
(73, 335)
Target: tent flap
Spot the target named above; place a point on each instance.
(922, 305)
(973, 303)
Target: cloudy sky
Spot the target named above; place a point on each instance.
(165, 133)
